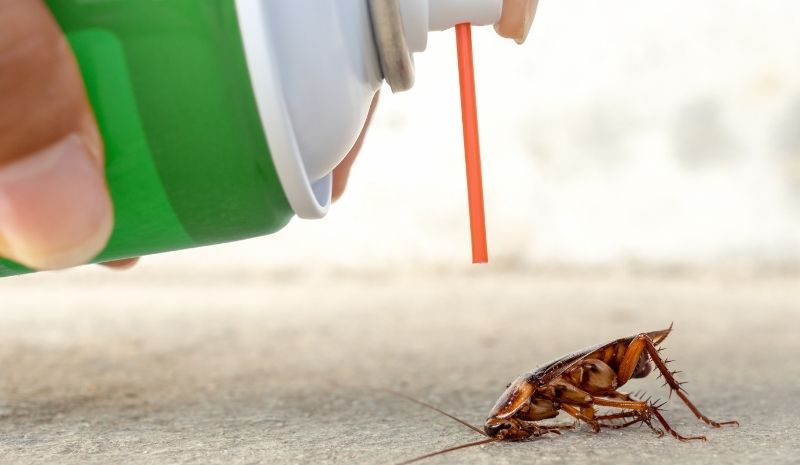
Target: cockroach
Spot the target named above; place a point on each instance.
(577, 384)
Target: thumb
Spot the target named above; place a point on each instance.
(55, 210)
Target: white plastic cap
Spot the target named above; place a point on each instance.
(422, 16)
(511, 18)
(445, 14)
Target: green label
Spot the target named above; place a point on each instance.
(144, 219)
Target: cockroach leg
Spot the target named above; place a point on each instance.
(640, 411)
(675, 434)
(606, 421)
(564, 426)
(617, 415)
(621, 395)
(575, 412)
(646, 409)
(647, 420)
(638, 418)
(537, 430)
(642, 342)
(624, 404)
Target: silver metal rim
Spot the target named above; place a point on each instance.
(397, 62)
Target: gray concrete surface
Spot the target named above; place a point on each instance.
(160, 368)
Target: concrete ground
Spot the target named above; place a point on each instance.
(272, 367)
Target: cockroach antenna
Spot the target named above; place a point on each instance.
(449, 449)
(452, 417)
(436, 409)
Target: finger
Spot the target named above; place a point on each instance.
(55, 209)
(123, 264)
(342, 172)
(516, 19)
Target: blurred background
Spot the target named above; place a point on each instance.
(641, 164)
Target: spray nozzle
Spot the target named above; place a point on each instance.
(511, 18)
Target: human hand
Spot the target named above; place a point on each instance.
(55, 209)
(341, 173)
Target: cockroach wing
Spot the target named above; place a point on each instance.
(548, 372)
(659, 336)
(514, 397)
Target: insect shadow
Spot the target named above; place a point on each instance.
(577, 384)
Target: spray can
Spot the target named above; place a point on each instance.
(223, 119)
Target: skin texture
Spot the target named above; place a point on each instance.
(55, 208)
(342, 172)
(516, 19)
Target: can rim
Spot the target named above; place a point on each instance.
(397, 62)
(309, 199)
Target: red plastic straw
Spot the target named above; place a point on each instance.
(472, 150)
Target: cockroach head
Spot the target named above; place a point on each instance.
(501, 429)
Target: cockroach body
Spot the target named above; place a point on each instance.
(579, 383)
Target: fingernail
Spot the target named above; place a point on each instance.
(55, 210)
